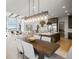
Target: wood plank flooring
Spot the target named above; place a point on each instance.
(65, 45)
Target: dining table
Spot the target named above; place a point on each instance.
(44, 48)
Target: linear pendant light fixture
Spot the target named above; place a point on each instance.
(33, 7)
(38, 5)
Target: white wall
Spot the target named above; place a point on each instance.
(11, 48)
(66, 29)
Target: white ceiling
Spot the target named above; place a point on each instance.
(54, 7)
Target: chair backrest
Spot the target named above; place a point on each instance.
(28, 50)
(25, 48)
(19, 45)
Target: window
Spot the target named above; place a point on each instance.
(11, 23)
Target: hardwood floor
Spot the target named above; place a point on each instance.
(65, 45)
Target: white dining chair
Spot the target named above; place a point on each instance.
(26, 49)
(20, 49)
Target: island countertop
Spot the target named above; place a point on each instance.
(48, 33)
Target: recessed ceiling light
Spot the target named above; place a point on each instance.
(66, 11)
(64, 6)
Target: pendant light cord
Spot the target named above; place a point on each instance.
(33, 7)
(38, 5)
(29, 7)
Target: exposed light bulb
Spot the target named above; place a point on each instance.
(45, 17)
(41, 18)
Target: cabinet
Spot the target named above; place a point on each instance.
(70, 21)
(53, 21)
(69, 35)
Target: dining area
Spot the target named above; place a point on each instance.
(30, 46)
(43, 48)
(33, 39)
(35, 47)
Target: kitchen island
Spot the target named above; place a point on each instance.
(55, 36)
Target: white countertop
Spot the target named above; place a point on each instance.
(48, 33)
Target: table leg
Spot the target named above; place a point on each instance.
(41, 56)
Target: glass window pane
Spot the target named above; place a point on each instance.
(11, 24)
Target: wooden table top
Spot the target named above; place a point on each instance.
(44, 47)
